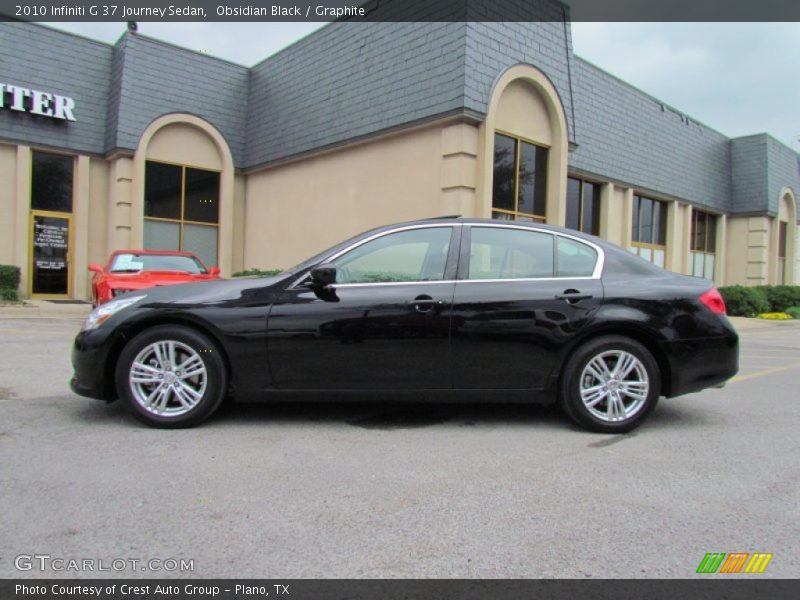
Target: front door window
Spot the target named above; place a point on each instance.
(405, 256)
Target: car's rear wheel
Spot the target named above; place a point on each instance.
(610, 384)
(171, 376)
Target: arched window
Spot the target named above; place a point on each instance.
(185, 173)
(784, 239)
(519, 180)
(525, 149)
(181, 209)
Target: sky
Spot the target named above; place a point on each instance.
(738, 78)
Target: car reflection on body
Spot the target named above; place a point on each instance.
(449, 308)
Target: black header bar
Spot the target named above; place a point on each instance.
(400, 10)
(705, 587)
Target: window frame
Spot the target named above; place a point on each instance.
(581, 202)
(516, 213)
(449, 268)
(457, 264)
(332, 261)
(182, 221)
(704, 250)
(73, 182)
(783, 242)
(637, 245)
(462, 275)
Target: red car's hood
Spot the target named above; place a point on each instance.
(146, 279)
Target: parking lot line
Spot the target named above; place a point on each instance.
(763, 372)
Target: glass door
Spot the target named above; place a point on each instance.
(50, 254)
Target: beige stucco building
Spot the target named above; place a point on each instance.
(261, 167)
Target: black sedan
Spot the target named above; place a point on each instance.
(441, 309)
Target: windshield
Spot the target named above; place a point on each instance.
(133, 263)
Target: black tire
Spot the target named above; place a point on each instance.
(570, 392)
(215, 378)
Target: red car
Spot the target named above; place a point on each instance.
(129, 270)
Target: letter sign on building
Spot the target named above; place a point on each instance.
(15, 97)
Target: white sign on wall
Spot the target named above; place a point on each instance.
(15, 97)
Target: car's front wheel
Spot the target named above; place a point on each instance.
(610, 384)
(171, 376)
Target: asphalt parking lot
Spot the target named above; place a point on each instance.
(365, 490)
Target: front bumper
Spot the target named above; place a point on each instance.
(91, 360)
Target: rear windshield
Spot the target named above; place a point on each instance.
(133, 263)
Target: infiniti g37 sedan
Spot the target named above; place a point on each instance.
(441, 309)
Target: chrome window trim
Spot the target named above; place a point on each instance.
(596, 274)
(336, 286)
(525, 279)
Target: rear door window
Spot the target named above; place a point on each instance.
(574, 259)
(506, 253)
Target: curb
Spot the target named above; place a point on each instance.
(43, 309)
(752, 323)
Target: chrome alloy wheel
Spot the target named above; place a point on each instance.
(168, 378)
(614, 386)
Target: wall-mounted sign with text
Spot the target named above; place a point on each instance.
(45, 104)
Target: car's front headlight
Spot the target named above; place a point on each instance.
(103, 312)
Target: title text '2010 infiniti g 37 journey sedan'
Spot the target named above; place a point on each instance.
(438, 309)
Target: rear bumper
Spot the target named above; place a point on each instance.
(701, 363)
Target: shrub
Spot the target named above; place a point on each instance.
(8, 295)
(257, 273)
(9, 277)
(744, 301)
(781, 297)
(794, 312)
(775, 316)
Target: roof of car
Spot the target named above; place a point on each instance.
(495, 222)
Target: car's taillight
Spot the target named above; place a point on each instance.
(714, 301)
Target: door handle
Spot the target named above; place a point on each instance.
(573, 296)
(425, 303)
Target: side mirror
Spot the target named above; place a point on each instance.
(323, 275)
(214, 271)
(94, 267)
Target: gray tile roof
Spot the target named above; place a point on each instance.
(160, 78)
(749, 169)
(50, 61)
(629, 136)
(351, 80)
(761, 168)
(494, 47)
